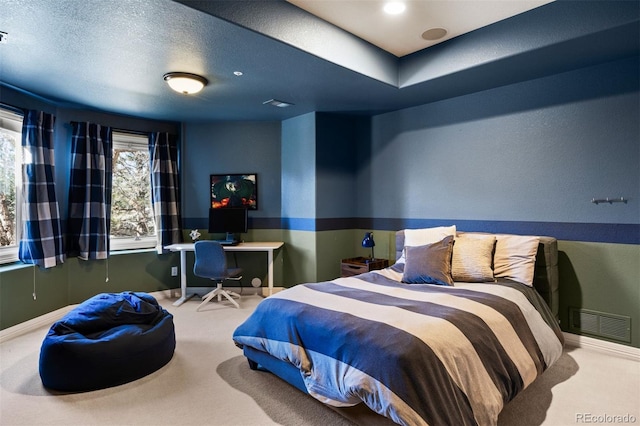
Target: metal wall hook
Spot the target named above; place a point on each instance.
(609, 200)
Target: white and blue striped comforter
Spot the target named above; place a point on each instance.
(417, 354)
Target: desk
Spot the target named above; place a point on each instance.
(250, 246)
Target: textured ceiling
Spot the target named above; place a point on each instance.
(110, 55)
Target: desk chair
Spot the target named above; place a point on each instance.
(211, 262)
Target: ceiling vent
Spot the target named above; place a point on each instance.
(277, 103)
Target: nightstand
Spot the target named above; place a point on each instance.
(360, 265)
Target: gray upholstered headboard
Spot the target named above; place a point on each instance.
(546, 278)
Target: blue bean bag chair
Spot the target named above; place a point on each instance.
(108, 340)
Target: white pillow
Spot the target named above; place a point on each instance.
(424, 236)
(473, 258)
(515, 257)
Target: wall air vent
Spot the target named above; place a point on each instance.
(600, 324)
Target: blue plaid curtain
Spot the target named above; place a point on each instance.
(42, 242)
(165, 189)
(90, 191)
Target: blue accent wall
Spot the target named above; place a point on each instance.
(535, 152)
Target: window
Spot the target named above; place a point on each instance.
(10, 184)
(132, 220)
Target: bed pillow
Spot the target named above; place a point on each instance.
(515, 257)
(429, 264)
(424, 236)
(472, 259)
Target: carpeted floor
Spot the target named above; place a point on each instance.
(208, 382)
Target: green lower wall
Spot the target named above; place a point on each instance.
(332, 247)
(600, 277)
(16, 292)
(316, 256)
(300, 263)
(146, 271)
(77, 280)
(595, 276)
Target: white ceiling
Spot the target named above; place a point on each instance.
(402, 34)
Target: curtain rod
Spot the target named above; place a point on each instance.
(118, 129)
(134, 132)
(12, 108)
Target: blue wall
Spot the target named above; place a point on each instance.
(534, 153)
(298, 170)
(230, 148)
(525, 158)
(336, 168)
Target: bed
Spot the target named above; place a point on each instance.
(459, 325)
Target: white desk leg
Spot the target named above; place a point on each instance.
(270, 260)
(183, 279)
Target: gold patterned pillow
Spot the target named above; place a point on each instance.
(472, 259)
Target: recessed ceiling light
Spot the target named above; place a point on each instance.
(184, 82)
(434, 34)
(394, 7)
(277, 103)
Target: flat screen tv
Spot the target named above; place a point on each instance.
(229, 221)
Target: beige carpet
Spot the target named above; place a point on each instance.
(208, 382)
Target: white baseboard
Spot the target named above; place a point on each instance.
(609, 348)
(34, 324)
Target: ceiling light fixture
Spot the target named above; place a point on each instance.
(277, 103)
(184, 82)
(394, 7)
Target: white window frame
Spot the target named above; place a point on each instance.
(12, 122)
(123, 140)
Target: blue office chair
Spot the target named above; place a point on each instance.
(211, 262)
